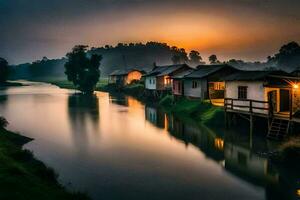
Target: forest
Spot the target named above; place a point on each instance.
(144, 56)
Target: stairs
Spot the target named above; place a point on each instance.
(278, 129)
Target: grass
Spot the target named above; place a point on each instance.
(10, 84)
(69, 85)
(202, 111)
(24, 177)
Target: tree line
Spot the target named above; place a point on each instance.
(142, 56)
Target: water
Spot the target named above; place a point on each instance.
(114, 147)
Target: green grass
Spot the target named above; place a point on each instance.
(69, 85)
(24, 177)
(202, 111)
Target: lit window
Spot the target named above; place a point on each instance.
(219, 86)
(242, 92)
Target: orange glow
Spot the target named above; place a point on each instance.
(219, 143)
(295, 86)
(133, 75)
(298, 192)
(167, 80)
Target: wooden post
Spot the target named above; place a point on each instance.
(251, 124)
(291, 103)
(250, 109)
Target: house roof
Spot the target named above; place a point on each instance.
(165, 70)
(121, 72)
(205, 70)
(253, 75)
(182, 74)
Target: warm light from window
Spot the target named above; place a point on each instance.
(298, 192)
(219, 143)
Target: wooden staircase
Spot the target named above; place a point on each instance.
(278, 129)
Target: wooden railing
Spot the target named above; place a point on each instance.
(247, 105)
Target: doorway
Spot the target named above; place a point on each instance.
(272, 98)
(284, 100)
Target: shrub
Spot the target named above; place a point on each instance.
(3, 122)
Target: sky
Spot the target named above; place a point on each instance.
(241, 29)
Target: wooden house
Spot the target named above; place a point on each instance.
(264, 86)
(125, 77)
(159, 78)
(206, 82)
(178, 82)
(274, 95)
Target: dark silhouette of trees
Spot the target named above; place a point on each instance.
(176, 59)
(3, 122)
(288, 57)
(46, 68)
(195, 57)
(179, 55)
(213, 59)
(81, 70)
(4, 70)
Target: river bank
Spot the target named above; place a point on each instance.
(23, 176)
(10, 84)
(202, 112)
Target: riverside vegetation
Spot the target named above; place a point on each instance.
(200, 111)
(24, 177)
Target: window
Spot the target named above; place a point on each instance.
(194, 84)
(219, 86)
(242, 92)
(150, 81)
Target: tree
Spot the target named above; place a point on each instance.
(4, 70)
(288, 57)
(176, 59)
(195, 57)
(179, 55)
(83, 71)
(213, 59)
(3, 122)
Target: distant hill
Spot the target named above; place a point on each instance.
(122, 56)
(143, 56)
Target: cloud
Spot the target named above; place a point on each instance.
(248, 29)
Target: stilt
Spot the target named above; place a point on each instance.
(251, 124)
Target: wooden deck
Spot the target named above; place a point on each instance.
(256, 108)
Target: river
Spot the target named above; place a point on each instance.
(114, 147)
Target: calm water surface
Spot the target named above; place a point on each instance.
(114, 147)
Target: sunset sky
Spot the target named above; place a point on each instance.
(243, 29)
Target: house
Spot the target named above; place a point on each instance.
(125, 77)
(267, 91)
(159, 78)
(177, 81)
(206, 82)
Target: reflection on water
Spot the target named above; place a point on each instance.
(113, 147)
(83, 113)
(239, 154)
